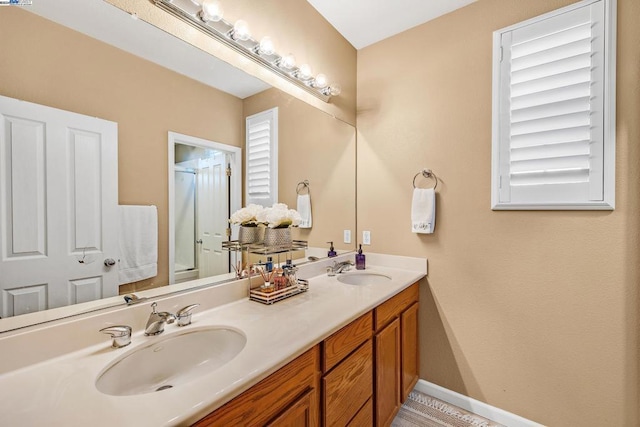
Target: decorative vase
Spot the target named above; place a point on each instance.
(277, 237)
(249, 235)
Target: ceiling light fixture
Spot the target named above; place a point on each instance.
(211, 10)
(206, 15)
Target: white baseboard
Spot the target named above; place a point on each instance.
(472, 405)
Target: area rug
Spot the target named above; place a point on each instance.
(425, 411)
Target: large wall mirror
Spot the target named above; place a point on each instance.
(46, 63)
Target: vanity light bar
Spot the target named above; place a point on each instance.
(223, 31)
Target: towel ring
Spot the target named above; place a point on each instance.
(305, 185)
(427, 173)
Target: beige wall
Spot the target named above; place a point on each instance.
(48, 64)
(533, 312)
(314, 146)
(295, 27)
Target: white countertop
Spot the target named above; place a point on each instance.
(61, 391)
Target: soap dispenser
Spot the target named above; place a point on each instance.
(360, 259)
(332, 252)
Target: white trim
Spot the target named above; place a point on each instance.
(472, 405)
(236, 183)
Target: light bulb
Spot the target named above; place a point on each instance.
(335, 89)
(320, 81)
(288, 61)
(241, 30)
(304, 72)
(266, 46)
(211, 10)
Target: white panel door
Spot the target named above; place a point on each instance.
(212, 200)
(58, 207)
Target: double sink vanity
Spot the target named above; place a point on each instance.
(342, 353)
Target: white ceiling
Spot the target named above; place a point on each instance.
(364, 22)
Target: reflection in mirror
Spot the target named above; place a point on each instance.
(203, 191)
(147, 101)
(319, 149)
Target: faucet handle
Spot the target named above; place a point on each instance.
(133, 299)
(120, 335)
(184, 315)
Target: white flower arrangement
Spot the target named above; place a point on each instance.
(247, 216)
(279, 216)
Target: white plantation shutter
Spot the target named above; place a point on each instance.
(554, 141)
(262, 158)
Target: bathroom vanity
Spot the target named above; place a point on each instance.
(338, 354)
(361, 373)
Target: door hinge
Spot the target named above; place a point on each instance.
(228, 232)
(228, 170)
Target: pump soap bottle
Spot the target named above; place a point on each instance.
(332, 252)
(360, 259)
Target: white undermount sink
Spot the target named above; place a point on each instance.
(363, 278)
(170, 361)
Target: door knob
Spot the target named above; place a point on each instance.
(109, 262)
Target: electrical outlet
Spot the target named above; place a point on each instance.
(366, 237)
(347, 236)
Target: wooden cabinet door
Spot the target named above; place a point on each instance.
(301, 413)
(409, 348)
(271, 396)
(387, 375)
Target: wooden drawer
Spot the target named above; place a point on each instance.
(348, 387)
(364, 417)
(270, 396)
(342, 343)
(392, 308)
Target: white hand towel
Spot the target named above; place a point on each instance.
(423, 210)
(304, 209)
(138, 233)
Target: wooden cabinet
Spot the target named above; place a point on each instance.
(396, 353)
(357, 377)
(364, 417)
(410, 349)
(301, 413)
(288, 395)
(387, 373)
(346, 340)
(347, 383)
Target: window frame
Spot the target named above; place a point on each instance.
(609, 115)
(272, 116)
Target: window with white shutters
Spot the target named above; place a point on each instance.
(261, 183)
(554, 110)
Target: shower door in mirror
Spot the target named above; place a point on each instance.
(58, 208)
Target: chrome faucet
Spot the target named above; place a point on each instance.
(341, 267)
(156, 322)
(183, 316)
(120, 335)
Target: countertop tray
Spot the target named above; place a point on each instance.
(275, 296)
